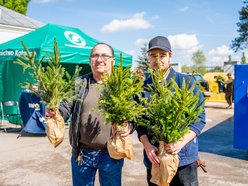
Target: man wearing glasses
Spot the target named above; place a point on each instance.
(160, 55)
(88, 133)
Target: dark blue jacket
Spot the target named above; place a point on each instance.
(189, 153)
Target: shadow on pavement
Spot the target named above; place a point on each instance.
(11, 130)
(216, 106)
(219, 140)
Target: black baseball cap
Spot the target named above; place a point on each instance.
(160, 42)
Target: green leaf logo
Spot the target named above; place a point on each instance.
(75, 38)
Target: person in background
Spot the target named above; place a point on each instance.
(229, 90)
(141, 74)
(186, 147)
(88, 134)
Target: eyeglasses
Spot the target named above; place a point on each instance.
(104, 57)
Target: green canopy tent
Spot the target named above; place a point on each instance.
(74, 46)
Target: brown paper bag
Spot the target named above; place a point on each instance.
(167, 169)
(120, 147)
(55, 128)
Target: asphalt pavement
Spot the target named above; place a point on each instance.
(31, 160)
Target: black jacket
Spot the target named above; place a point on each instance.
(74, 108)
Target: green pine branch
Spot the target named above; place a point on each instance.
(116, 101)
(170, 108)
(54, 82)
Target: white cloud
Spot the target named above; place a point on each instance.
(155, 17)
(218, 55)
(136, 22)
(221, 51)
(141, 41)
(183, 46)
(183, 9)
(184, 42)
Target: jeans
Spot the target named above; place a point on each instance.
(185, 176)
(110, 170)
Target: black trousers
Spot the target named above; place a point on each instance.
(185, 176)
(228, 97)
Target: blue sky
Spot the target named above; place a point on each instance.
(190, 25)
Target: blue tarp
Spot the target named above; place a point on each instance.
(32, 113)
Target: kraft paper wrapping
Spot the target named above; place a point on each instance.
(55, 128)
(167, 169)
(120, 147)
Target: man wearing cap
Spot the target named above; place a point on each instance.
(186, 147)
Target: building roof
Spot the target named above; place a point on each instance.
(12, 18)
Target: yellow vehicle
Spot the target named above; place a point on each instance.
(215, 94)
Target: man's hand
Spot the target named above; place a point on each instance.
(125, 130)
(174, 148)
(150, 150)
(50, 113)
